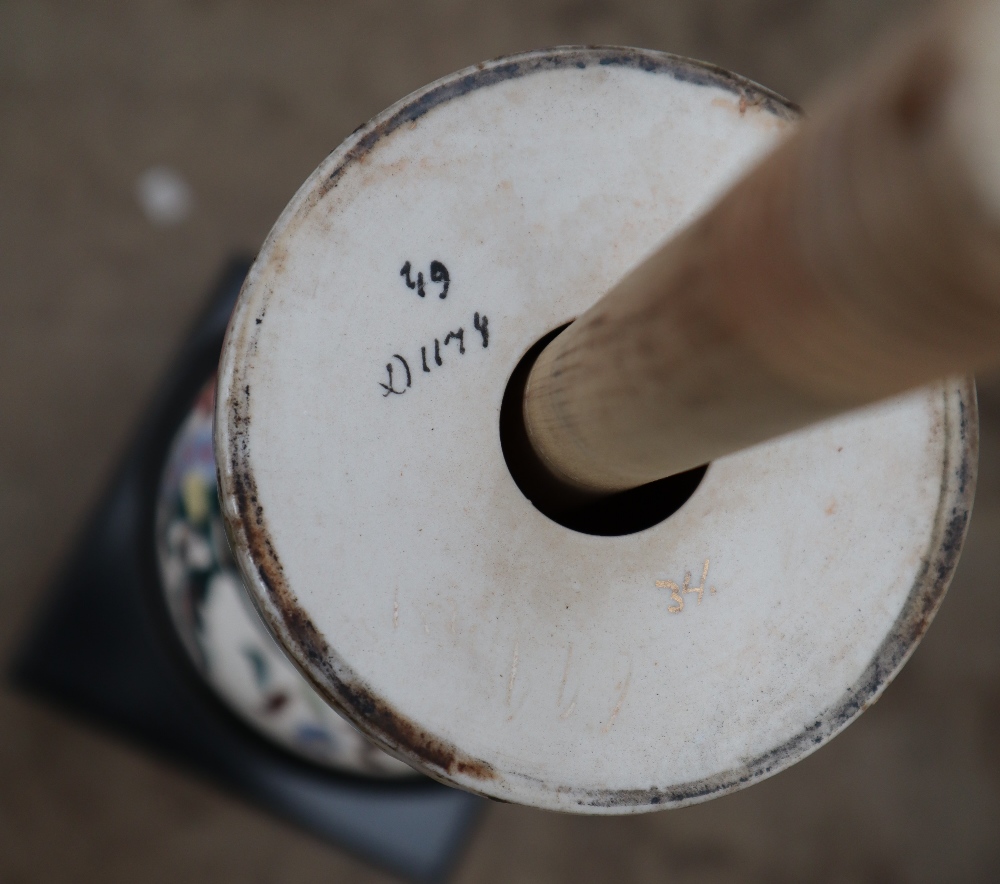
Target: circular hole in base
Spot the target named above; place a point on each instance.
(612, 516)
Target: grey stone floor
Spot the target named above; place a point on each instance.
(244, 99)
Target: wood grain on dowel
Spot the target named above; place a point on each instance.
(861, 258)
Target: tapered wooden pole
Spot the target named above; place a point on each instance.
(858, 260)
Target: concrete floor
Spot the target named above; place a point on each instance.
(243, 100)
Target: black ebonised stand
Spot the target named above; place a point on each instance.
(105, 648)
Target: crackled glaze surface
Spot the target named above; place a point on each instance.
(219, 629)
(391, 553)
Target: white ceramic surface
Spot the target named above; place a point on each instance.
(386, 544)
(223, 636)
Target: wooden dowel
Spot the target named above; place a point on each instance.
(860, 259)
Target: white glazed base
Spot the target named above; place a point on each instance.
(391, 553)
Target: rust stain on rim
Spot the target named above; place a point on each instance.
(685, 70)
(248, 534)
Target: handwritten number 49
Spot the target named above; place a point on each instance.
(438, 273)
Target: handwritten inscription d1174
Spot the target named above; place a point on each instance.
(399, 374)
